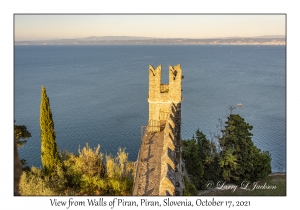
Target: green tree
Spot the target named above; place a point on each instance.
(201, 160)
(209, 157)
(262, 164)
(190, 189)
(193, 162)
(49, 150)
(21, 134)
(239, 157)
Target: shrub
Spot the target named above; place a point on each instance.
(82, 174)
(190, 188)
(37, 182)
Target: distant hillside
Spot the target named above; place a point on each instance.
(101, 38)
(131, 40)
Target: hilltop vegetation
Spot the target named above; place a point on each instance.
(88, 173)
(232, 157)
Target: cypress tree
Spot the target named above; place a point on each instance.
(49, 150)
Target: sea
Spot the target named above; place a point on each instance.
(98, 94)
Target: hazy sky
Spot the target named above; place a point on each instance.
(31, 27)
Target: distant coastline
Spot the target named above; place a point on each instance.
(126, 40)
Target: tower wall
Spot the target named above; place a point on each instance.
(159, 168)
(162, 95)
(175, 78)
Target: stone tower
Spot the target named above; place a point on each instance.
(159, 167)
(162, 95)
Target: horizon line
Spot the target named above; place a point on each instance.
(144, 37)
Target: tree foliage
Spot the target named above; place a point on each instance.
(201, 160)
(83, 174)
(87, 173)
(190, 189)
(240, 159)
(193, 162)
(49, 150)
(21, 134)
(236, 160)
(37, 182)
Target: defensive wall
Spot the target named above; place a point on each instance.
(159, 167)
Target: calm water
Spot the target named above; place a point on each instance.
(98, 94)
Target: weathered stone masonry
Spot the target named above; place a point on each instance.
(159, 168)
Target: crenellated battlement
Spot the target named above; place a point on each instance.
(162, 95)
(159, 92)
